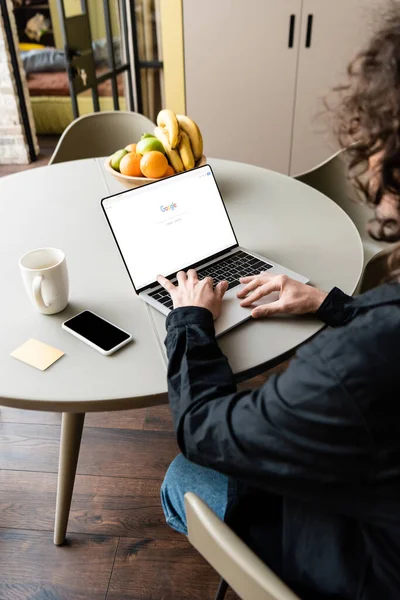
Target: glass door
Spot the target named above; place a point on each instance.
(97, 52)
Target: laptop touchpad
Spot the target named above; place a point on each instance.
(232, 296)
(232, 313)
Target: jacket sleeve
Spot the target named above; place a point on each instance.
(299, 434)
(337, 309)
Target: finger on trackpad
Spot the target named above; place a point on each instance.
(267, 299)
(264, 300)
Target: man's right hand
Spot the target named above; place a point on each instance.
(295, 298)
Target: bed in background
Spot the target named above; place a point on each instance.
(52, 114)
(51, 102)
(49, 91)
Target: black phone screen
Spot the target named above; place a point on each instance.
(96, 330)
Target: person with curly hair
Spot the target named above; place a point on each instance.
(367, 124)
(306, 469)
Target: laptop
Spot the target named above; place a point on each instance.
(180, 223)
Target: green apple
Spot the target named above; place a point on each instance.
(147, 135)
(116, 158)
(148, 145)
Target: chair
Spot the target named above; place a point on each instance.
(239, 567)
(331, 179)
(100, 134)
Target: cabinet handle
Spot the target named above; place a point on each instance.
(309, 30)
(292, 26)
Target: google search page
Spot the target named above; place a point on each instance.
(166, 226)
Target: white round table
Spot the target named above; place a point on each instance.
(59, 206)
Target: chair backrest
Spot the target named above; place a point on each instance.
(100, 134)
(246, 574)
(331, 178)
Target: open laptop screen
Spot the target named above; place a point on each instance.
(168, 225)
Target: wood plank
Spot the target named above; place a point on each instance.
(32, 567)
(117, 419)
(29, 446)
(107, 452)
(39, 417)
(124, 453)
(121, 419)
(158, 418)
(147, 569)
(100, 505)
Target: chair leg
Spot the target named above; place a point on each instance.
(222, 589)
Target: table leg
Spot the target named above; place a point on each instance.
(70, 443)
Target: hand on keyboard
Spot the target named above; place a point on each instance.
(232, 268)
(295, 298)
(191, 291)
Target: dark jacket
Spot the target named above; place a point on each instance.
(324, 437)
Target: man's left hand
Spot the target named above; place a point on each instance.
(191, 291)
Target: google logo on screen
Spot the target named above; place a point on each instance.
(171, 206)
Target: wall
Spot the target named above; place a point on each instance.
(13, 146)
(172, 51)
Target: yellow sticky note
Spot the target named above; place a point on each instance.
(37, 354)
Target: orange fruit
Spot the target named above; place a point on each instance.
(131, 147)
(170, 171)
(130, 164)
(153, 164)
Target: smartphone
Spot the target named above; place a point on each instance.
(96, 332)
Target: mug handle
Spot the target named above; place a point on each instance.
(37, 293)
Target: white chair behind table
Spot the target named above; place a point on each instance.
(238, 566)
(331, 179)
(100, 134)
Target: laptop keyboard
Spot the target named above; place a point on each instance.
(229, 269)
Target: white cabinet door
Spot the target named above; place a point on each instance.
(240, 77)
(338, 31)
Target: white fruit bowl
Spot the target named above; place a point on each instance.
(130, 181)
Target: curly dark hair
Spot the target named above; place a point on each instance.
(367, 119)
(367, 125)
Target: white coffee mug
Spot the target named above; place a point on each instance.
(45, 276)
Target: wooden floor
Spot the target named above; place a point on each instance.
(118, 545)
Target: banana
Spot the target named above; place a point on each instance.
(191, 128)
(185, 151)
(173, 155)
(167, 119)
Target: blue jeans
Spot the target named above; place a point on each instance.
(184, 476)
